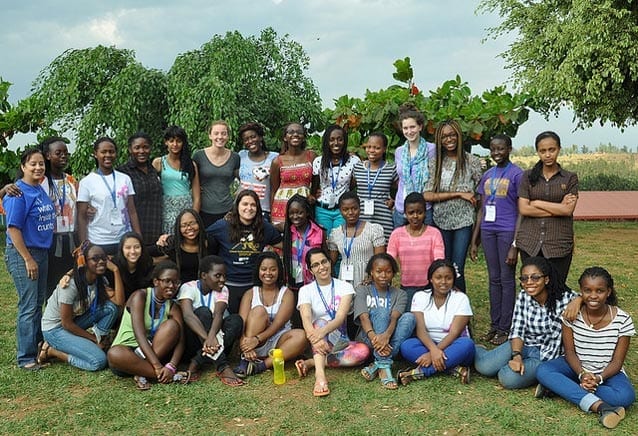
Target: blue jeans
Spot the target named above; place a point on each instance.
(380, 319)
(557, 376)
(399, 218)
(84, 353)
(30, 300)
(459, 352)
(496, 245)
(328, 218)
(496, 362)
(456, 245)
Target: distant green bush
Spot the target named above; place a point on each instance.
(607, 182)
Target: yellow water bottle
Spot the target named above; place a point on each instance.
(279, 377)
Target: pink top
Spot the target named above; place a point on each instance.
(314, 240)
(416, 254)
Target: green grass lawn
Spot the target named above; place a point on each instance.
(61, 399)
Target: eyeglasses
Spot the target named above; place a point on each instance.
(449, 136)
(322, 262)
(167, 282)
(295, 132)
(534, 277)
(98, 258)
(192, 225)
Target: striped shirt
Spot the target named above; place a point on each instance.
(536, 326)
(595, 347)
(376, 185)
(416, 254)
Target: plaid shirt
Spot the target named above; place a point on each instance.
(148, 200)
(535, 326)
(551, 236)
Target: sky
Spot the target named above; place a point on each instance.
(351, 44)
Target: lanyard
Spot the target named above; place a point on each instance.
(494, 180)
(111, 191)
(347, 248)
(376, 297)
(329, 309)
(333, 180)
(210, 295)
(374, 182)
(161, 314)
(61, 198)
(93, 307)
(303, 244)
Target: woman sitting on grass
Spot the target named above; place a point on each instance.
(442, 342)
(324, 305)
(379, 308)
(591, 373)
(266, 311)
(86, 302)
(150, 341)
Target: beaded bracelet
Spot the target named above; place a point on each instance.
(170, 367)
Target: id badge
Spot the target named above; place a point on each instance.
(116, 217)
(62, 224)
(490, 213)
(298, 274)
(368, 207)
(347, 272)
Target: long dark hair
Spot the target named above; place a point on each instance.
(268, 255)
(440, 153)
(236, 228)
(186, 165)
(144, 263)
(555, 288)
(287, 242)
(537, 170)
(79, 278)
(326, 157)
(178, 238)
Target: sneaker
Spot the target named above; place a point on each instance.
(610, 416)
(541, 391)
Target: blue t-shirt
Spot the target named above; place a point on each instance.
(33, 214)
(239, 257)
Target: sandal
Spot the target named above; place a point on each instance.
(321, 389)
(371, 371)
(32, 366)
(463, 373)
(229, 380)
(256, 367)
(409, 375)
(500, 338)
(182, 377)
(388, 382)
(141, 383)
(43, 353)
(487, 337)
(302, 369)
(241, 370)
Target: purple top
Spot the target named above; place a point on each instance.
(499, 187)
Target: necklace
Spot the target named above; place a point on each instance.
(593, 324)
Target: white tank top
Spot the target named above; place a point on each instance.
(271, 310)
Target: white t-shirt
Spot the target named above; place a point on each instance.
(191, 291)
(308, 294)
(111, 220)
(439, 320)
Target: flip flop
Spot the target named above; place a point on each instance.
(141, 383)
(229, 380)
(43, 353)
(302, 369)
(321, 389)
(182, 377)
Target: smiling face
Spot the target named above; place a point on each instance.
(188, 226)
(500, 152)
(247, 209)
(268, 272)
(449, 140)
(295, 135)
(350, 211)
(58, 155)
(252, 141)
(96, 260)
(33, 169)
(105, 154)
(534, 282)
(442, 281)
(382, 273)
(132, 250)
(298, 215)
(375, 149)
(215, 279)
(548, 150)
(336, 142)
(415, 213)
(219, 135)
(174, 145)
(320, 268)
(140, 150)
(411, 129)
(166, 284)
(595, 292)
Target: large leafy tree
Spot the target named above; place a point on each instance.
(241, 79)
(582, 53)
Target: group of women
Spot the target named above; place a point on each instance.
(188, 270)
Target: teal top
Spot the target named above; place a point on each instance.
(174, 182)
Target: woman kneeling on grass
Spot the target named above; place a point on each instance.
(266, 311)
(324, 305)
(150, 341)
(85, 302)
(379, 308)
(591, 373)
(442, 342)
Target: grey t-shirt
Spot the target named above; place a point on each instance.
(215, 182)
(365, 300)
(69, 295)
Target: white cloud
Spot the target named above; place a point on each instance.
(106, 30)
